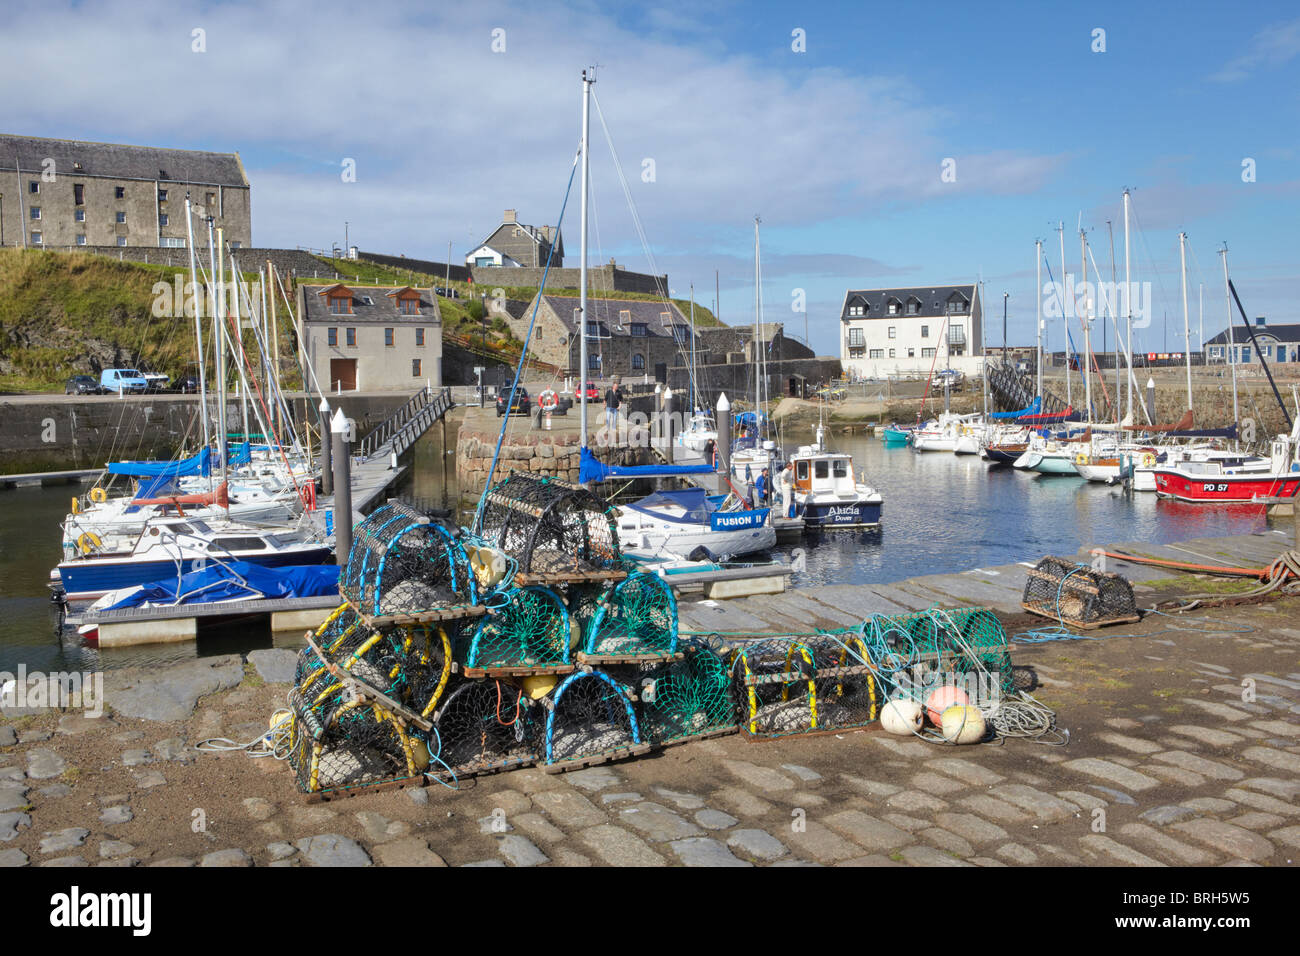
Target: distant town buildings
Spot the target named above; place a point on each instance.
(371, 338)
(911, 330)
(515, 245)
(59, 193)
(1275, 343)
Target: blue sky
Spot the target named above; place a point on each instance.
(839, 148)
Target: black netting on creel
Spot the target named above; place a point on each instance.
(406, 562)
(487, 725)
(591, 715)
(1077, 594)
(549, 526)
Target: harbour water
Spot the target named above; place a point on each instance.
(942, 514)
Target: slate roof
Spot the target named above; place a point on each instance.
(1282, 333)
(112, 161)
(933, 301)
(606, 311)
(383, 305)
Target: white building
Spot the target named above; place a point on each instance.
(909, 331)
(1273, 343)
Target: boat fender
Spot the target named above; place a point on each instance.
(88, 542)
(76, 505)
(98, 495)
(901, 716)
(962, 724)
(943, 698)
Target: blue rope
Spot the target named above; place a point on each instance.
(523, 353)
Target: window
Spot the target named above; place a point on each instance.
(913, 306)
(957, 305)
(857, 337)
(925, 331)
(341, 304)
(927, 353)
(839, 468)
(801, 471)
(121, 240)
(352, 337)
(80, 215)
(956, 335)
(593, 362)
(856, 352)
(638, 362)
(162, 219)
(820, 468)
(409, 306)
(419, 336)
(415, 368)
(171, 242)
(1266, 351)
(36, 239)
(1245, 353)
(36, 212)
(877, 353)
(81, 240)
(593, 328)
(78, 194)
(121, 216)
(162, 195)
(236, 244)
(895, 306)
(34, 187)
(388, 337)
(332, 336)
(891, 354)
(638, 328)
(911, 353)
(119, 192)
(893, 331)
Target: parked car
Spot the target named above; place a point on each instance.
(81, 385)
(522, 405)
(593, 392)
(158, 382)
(122, 380)
(188, 384)
(950, 377)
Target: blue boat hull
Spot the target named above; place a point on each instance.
(862, 514)
(87, 580)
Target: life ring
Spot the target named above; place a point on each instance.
(1148, 460)
(88, 542)
(307, 492)
(548, 400)
(98, 495)
(76, 505)
(1081, 458)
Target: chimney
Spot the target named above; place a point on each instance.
(509, 216)
(1259, 321)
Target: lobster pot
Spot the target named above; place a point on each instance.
(584, 601)
(1076, 595)
(773, 682)
(590, 720)
(530, 633)
(487, 725)
(403, 562)
(550, 527)
(637, 619)
(846, 692)
(966, 647)
(683, 699)
(338, 742)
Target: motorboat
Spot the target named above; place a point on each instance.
(683, 522)
(826, 493)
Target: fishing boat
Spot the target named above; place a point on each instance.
(700, 431)
(895, 434)
(691, 522)
(1235, 480)
(826, 493)
(173, 547)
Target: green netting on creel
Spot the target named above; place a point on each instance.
(683, 698)
(971, 642)
(638, 617)
(530, 630)
(584, 601)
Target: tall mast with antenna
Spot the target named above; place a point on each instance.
(198, 324)
(1232, 343)
(1187, 329)
(1067, 296)
(1086, 365)
(1128, 309)
(1038, 301)
(588, 77)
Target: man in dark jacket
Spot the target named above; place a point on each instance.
(613, 399)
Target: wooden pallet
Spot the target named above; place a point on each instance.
(765, 738)
(618, 753)
(452, 612)
(522, 670)
(360, 789)
(707, 735)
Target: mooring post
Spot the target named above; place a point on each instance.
(666, 424)
(342, 488)
(724, 433)
(1151, 400)
(326, 466)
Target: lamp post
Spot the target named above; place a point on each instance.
(484, 301)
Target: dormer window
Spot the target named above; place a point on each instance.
(913, 305)
(409, 306)
(625, 316)
(957, 304)
(637, 328)
(895, 307)
(339, 298)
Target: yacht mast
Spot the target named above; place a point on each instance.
(1038, 301)
(1067, 296)
(1085, 366)
(1128, 309)
(588, 77)
(1232, 344)
(198, 324)
(1187, 329)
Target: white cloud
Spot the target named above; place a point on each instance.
(1274, 46)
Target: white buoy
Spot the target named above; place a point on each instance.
(962, 724)
(901, 716)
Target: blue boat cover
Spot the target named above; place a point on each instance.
(222, 582)
(591, 469)
(694, 502)
(200, 464)
(1033, 409)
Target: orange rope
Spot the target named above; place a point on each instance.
(1208, 569)
(518, 702)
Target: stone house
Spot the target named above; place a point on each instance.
(515, 245)
(58, 193)
(371, 338)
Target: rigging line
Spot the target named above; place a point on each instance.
(523, 352)
(1147, 249)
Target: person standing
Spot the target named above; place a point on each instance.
(785, 486)
(613, 399)
(760, 487)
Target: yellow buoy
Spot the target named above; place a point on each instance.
(962, 724)
(98, 495)
(539, 685)
(89, 542)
